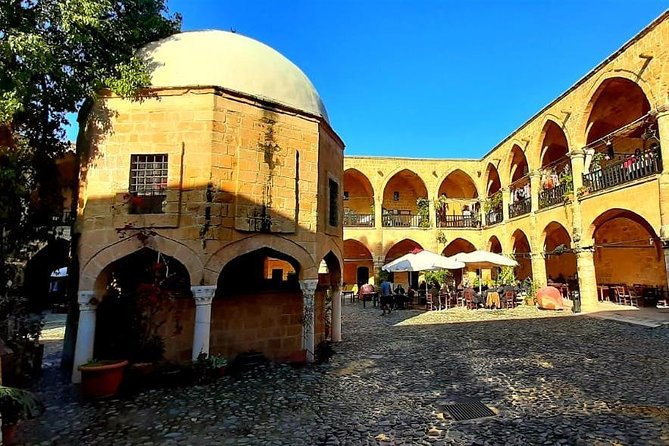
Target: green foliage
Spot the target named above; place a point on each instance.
(423, 206)
(207, 368)
(55, 55)
(382, 275)
(507, 275)
(438, 277)
(492, 202)
(18, 404)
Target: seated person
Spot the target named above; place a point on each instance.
(399, 289)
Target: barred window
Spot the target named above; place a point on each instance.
(334, 203)
(148, 183)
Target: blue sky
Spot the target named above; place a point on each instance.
(431, 78)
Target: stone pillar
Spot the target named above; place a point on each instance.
(83, 350)
(203, 296)
(378, 211)
(535, 188)
(505, 203)
(308, 287)
(336, 313)
(432, 211)
(665, 251)
(587, 282)
(663, 135)
(538, 268)
(577, 158)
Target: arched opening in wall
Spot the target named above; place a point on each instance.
(258, 306)
(358, 264)
(407, 279)
(556, 178)
(457, 205)
(520, 201)
(45, 277)
(147, 311)
(560, 259)
(492, 207)
(329, 277)
(623, 135)
(628, 253)
(523, 254)
(358, 199)
(456, 246)
(494, 245)
(405, 201)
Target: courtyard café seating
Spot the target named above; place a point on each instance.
(631, 295)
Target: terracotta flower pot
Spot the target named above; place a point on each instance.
(102, 379)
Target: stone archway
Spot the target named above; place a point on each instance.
(454, 247)
(560, 259)
(399, 249)
(258, 306)
(358, 263)
(358, 199)
(400, 200)
(523, 254)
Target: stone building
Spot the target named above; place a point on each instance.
(224, 179)
(580, 190)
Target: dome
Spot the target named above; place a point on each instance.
(233, 62)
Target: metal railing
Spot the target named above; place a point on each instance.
(457, 221)
(520, 207)
(624, 171)
(405, 221)
(359, 220)
(553, 196)
(493, 217)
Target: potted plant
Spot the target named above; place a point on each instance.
(101, 378)
(16, 405)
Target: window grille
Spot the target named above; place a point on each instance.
(334, 203)
(148, 183)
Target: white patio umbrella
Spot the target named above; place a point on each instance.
(484, 259)
(421, 260)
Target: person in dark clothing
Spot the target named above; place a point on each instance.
(386, 297)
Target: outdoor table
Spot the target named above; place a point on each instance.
(365, 296)
(492, 298)
(601, 289)
(349, 294)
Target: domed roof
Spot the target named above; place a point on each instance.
(233, 62)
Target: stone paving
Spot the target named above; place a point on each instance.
(552, 378)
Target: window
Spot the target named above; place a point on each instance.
(345, 195)
(396, 196)
(148, 184)
(334, 203)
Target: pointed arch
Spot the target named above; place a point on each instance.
(219, 259)
(458, 245)
(400, 248)
(560, 260)
(554, 145)
(358, 192)
(494, 245)
(92, 268)
(517, 162)
(458, 184)
(522, 251)
(493, 181)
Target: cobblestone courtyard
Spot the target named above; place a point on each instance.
(553, 379)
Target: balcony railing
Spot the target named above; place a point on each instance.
(405, 221)
(493, 217)
(64, 219)
(624, 171)
(520, 207)
(457, 221)
(551, 197)
(359, 220)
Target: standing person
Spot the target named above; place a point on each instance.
(386, 295)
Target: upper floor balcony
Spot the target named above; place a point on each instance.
(633, 167)
(352, 219)
(520, 207)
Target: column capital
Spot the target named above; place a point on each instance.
(584, 251)
(203, 294)
(535, 174)
(87, 300)
(575, 154)
(537, 255)
(308, 286)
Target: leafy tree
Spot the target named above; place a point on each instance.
(54, 56)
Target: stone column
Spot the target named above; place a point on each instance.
(203, 296)
(336, 313)
(432, 211)
(535, 188)
(308, 287)
(505, 203)
(663, 135)
(577, 158)
(587, 282)
(378, 211)
(83, 350)
(538, 268)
